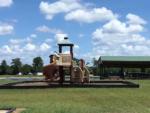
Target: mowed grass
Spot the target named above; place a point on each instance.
(6, 82)
(79, 100)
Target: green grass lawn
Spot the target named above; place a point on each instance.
(79, 100)
(6, 81)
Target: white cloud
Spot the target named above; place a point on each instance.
(43, 29)
(26, 50)
(74, 10)
(49, 40)
(51, 9)
(120, 38)
(135, 28)
(114, 26)
(6, 49)
(30, 47)
(33, 35)
(76, 46)
(91, 15)
(44, 47)
(46, 29)
(14, 41)
(6, 29)
(18, 41)
(24, 45)
(135, 19)
(6, 3)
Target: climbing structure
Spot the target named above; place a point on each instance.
(64, 61)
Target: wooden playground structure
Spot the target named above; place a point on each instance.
(61, 62)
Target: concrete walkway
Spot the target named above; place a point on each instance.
(22, 78)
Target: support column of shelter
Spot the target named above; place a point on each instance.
(122, 72)
(100, 74)
(101, 66)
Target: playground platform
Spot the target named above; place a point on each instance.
(66, 84)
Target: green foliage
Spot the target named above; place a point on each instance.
(9, 70)
(94, 69)
(0, 70)
(95, 62)
(16, 65)
(26, 69)
(37, 64)
(3, 68)
(76, 60)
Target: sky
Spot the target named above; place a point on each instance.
(31, 28)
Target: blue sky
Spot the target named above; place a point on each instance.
(30, 28)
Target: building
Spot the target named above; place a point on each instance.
(122, 63)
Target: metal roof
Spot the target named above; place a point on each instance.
(125, 58)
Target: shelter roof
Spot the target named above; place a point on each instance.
(125, 58)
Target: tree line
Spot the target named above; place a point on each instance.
(16, 66)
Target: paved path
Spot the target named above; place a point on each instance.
(39, 78)
(22, 78)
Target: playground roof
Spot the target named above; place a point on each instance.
(65, 42)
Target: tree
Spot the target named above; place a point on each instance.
(10, 70)
(26, 69)
(0, 70)
(95, 66)
(37, 64)
(76, 60)
(4, 67)
(95, 62)
(16, 65)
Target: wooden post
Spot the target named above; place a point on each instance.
(60, 49)
(71, 51)
(61, 73)
(101, 71)
(51, 58)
